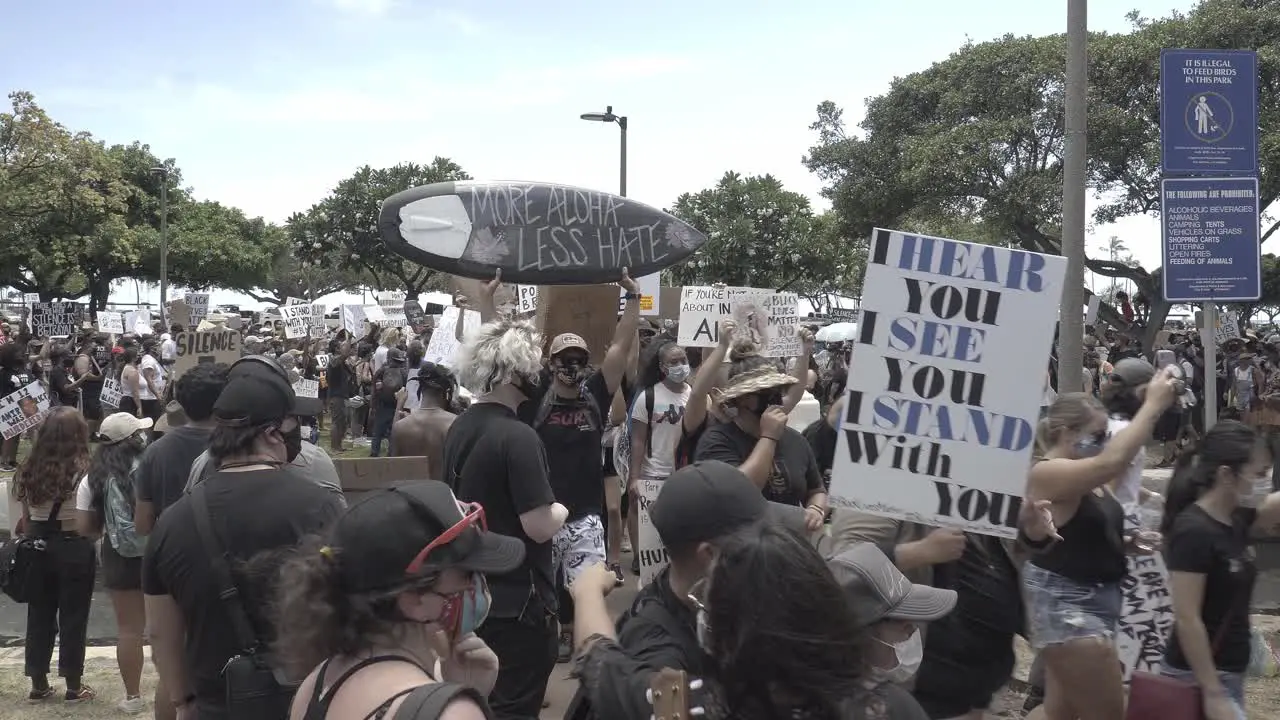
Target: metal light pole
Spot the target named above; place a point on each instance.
(1075, 148)
(608, 117)
(163, 172)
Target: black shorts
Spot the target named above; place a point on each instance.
(119, 572)
(91, 407)
(1167, 426)
(609, 469)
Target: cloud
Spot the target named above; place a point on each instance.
(363, 7)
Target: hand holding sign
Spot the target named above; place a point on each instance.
(628, 284)
(806, 340)
(1163, 389)
(1035, 517)
(726, 330)
(944, 545)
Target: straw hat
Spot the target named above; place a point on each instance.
(174, 416)
(760, 379)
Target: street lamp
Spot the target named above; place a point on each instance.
(608, 117)
(163, 172)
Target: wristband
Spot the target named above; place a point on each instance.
(631, 296)
(768, 437)
(821, 511)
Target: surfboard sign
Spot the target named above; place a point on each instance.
(536, 233)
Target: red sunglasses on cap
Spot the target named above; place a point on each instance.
(472, 515)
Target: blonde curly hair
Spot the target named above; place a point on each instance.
(500, 352)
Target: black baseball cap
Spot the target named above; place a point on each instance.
(305, 406)
(255, 394)
(376, 539)
(710, 499)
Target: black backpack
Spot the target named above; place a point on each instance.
(429, 701)
(392, 381)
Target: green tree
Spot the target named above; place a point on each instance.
(760, 235)
(978, 137)
(345, 224)
(290, 276)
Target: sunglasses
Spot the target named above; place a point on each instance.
(472, 516)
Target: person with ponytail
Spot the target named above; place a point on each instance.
(1072, 588)
(368, 615)
(1219, 497)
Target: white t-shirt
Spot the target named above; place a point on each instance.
(664, 430)
(84, 495)
(411, 399)
(168, 348)
(1128, 490)
(144, 391)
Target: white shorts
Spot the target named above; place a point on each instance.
(577, 546)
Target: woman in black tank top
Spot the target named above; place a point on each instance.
(394, 592)
(1073, 588)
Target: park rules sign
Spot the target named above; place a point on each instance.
(945, 384)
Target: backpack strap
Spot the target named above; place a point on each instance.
(428, 702)
(649, 393)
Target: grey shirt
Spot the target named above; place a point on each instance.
(313, 464)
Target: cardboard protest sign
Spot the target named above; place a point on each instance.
(945, 384)
(111, 322)
(197, 307)
(318, 327)
(297, 320)
(769, 319)
(374, 314)
(577, 309)
(1226, 329)
(414, 316)
(179, 314)
(56, 319)
(1146, 615)
(651, 554)
(215, 346)
(112, 393)
(23, 409)
(443, 344)
(535, 233)
(353, 319)
(322, 361)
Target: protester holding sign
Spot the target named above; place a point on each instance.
(1073, 589)
(14, 376)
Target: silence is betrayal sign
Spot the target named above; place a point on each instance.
(945, 385)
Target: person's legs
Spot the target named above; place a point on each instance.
(613, 523)
(1083, 681)
(526, 651)
(131, 623)
(582, 548)
(42, 628)
(9, 452)
(76, 567)
(382, 419)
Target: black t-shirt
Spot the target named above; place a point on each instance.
(572, 440)
(252, 512)
(12, 381)
(1199, 544)
(492, 458)
(795, 474)
(822, 440)
(59, 382)
(163, 470)
(340, 379)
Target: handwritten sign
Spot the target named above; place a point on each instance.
(536, 233)
(443, 345)
(392, 304)
(353, 319)
(318, 327)
(925, 435)
(307, 388)
(322, 361)
(1146, 615)
(769, 320)
(197, 306)
(138, 322)
(650, 295)
(374, 314)
(1227, 328)
(297, 320)
(111, 394)
(111, 322)
(56, 319)
(652, 555)
(23, 409)
(214, 346)
(526, 299)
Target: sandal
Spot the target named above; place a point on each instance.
(40, 695)
(84, 693)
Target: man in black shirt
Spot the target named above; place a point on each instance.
(342, 386)
(255, 508)
(698, 506)
(494, 459)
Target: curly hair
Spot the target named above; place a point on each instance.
(59, 458)
(198, 389)
(113, 462)
(315, 620)
(500, 352)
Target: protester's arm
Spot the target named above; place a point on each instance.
(639, 423)
(149, 373)
(716, 445)
(541, 517)
(484, 302)
(695, 410)
(88, 521)
(796, 392)
(144, 510)
(621, 349)
(166, 629)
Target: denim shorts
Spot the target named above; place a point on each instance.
(1060, 609)
(1233, 683)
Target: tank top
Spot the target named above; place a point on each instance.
(424, 702)
(1244, 387)
(1092, 545)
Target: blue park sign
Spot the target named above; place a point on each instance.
(1209, 112)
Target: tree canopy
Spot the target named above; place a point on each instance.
(977, 138)
(760, 234)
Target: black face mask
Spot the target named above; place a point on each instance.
(292, 442)
(572, 372)
(527, 386)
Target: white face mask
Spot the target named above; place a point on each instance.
(678, 373)
(910, 654)
(1256, 493)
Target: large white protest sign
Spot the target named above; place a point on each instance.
(444, 343)
(23, 409)
(56, 319)
(1227, 328)
(392, 304)
(138, 322)
(944, 388)
(769, 319)
(297, 320)
(111, 394)
(374, 314)
(111, 322)
(318, 328)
